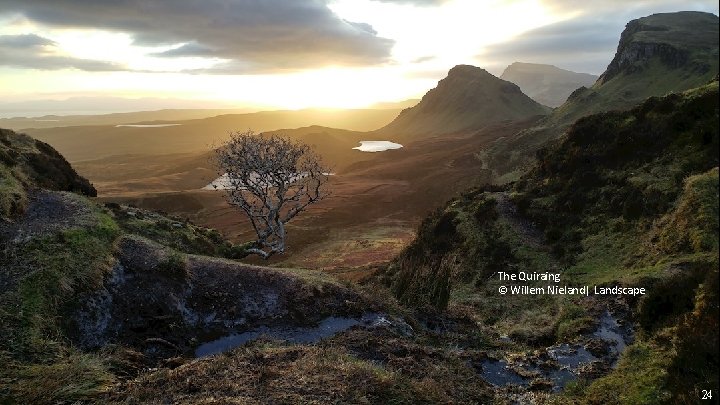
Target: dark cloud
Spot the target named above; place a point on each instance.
(24, 41)
(580, 45)
(586, 43)
(259, 35)
(31, 51)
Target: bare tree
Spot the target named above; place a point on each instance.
(271, 179)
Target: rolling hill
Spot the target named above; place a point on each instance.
(92, 142)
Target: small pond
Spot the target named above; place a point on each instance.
(377, 146)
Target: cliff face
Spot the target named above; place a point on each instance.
(671, 38)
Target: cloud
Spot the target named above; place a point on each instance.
(258, 35)
(635, 9)
(423, 59)
(585, 43)
(576, 44)
(416, 2)
(31, 51)
(24, 41)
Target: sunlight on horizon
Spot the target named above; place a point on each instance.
(428, 41)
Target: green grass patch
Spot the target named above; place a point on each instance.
(573, 321)
(180, 235)
(13, 198)
(72, 377)
(640, 378)
(59, 267)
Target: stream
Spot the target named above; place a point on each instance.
(563, 362)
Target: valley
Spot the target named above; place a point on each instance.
(541, 237)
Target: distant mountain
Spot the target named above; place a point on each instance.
(468, 98)
(656, 55)
(547, 84)
(53, 121)
(411, 102)
(94, 105)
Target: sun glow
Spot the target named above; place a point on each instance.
(447, 35)
(428, 42)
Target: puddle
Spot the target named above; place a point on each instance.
(377, 146)
(497, 373)
(560, 378)
(327, 327)
(570, 357)
(609, 330)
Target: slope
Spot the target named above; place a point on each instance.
(658, 54)
(115, 304)
(26, 162)
(625, 199)
(469, 98)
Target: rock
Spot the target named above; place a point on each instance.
(598, 347)
(593, 370)
(541, 384)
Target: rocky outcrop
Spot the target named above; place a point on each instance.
(665, 37)
(156, 293)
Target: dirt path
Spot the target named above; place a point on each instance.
(49, 212)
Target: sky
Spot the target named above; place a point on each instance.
(280, 54)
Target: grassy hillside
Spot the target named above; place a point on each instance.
(469, 98)
(26, 162)
(629, 165)
(656, 55)
(624, 198)
(625, 183)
